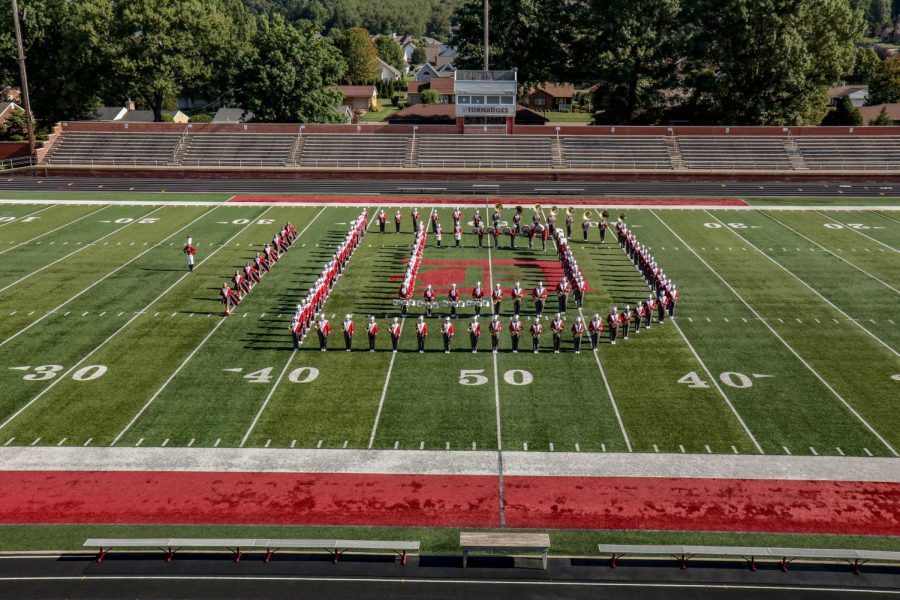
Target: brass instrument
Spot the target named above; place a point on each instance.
(519, 209)
(498, 206)
(570, 211)
(537, 208)
(587, 215)
(605, 214)
(622, 217)
(554, 210)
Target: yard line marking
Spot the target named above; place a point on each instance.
(813, 450)
(782, 340)
(786, 450)
(603, 447)
(36, 440)
(88, 442)
(525, 446)
(841, 258)
(551, 446)
(839, 451)
(612, 399)
(346, 442)
(655, 448)
(159, 390)
(56, 229)
(319, 445)
(577, 447)
(867, 451)
(715, 383)
(217, 442)
(191, 443)
(268, 443)
(809, 287)
(9, 441)
(858, 231)
(17, 219)
(73, 252)
(119, 330)
(293, 443)
(708, 449)
(448, 445)
(139, 442)
(62, 441)
(165, 443)
(681, 447)
(734, 449)
(500, 483)
(396, 445)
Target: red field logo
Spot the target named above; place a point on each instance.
(439, 274)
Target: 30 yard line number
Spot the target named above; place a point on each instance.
(46, 372)
(477, 377)
(729, 378)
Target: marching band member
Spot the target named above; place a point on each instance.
(570, 222)
(594, 329)
(323, 328)
(638, 315)
(438, 234)
(612, 321)
(517, 222)
(372, 332)
(403, 296)
(545, 233)
(513, 232)
(474, 334)
(556, 328)
(517, 294)
(479, 231)
(457, 234)
(648, 316)
(540, 296)
(415, 220)
(229, 298)
(562, 291)
(421, 333)
(495, 219)
(189, 251)
(672, 296)
(602, 226)
(456, 215)
(585, 229)
(625, 321)
(577, 333)
(447, 331)
(251, 272)
(495, 327)
(551, 224)
(496, 235)
(536, 330)
(476, 218)
(496, 298)
(394, 331)
(453, 297)
(347, 328)
(382, 220)
(477, 297)
(515, 330)
(397, 218)
(295, 331)
(262, 264)
(661, 301)
(241, 285)
(435, 220)
(429, 300)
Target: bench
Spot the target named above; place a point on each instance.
(682, 554)
(237, 546)
(560, 191)
(505, 542)
(421, 190)
(486, 187)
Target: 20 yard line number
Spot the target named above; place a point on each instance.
(729, 378)
(477, 377)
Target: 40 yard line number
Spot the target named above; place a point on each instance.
(729, 378)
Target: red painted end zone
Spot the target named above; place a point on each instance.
(450, 501)
(480, 201)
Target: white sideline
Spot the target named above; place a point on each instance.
(90, 287)
(286, 364)
(31, 214)
(500, 484)
(37, 237)
(837, 256)
(76, 251)
(782, 340)
(441, 462)
(806, 285)
(120, 329)
(885, 216)
(860, 232)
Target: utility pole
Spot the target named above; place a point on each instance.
(24, 76)
(486, 35)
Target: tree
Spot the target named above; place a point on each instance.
(865, 66)
(631, 48)
(430, 97)
(360, 56)
(843, 114)
(884, 87)
(389, 51)
(768, 62)
(529, 35)
(883, 119)
(15, 129)
(418, 56)
(290, 75)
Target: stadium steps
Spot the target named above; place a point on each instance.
(297, 150)
(485, 151)
(616, 152)
(238, 150)
(674, 153)
(850, 153)
(559, 162)
(712, 153)
(353, 150)
(412, 153)
(797, 161)
(104, 148)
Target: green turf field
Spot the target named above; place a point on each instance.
(785, 341)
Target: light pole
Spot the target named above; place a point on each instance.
(24, 77)
(486, 34)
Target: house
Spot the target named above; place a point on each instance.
(445, 114)
(444, 86)
(555, 97)
(426, 73)
(870, 113)
(856, 93)
(146, 116)
(109, 113)
(389, 73)
(11, 94)
(359, 97)
(447, 70)
(232, 115)
(8, 108)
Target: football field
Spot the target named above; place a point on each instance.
(785, 339)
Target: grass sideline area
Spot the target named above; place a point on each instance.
(435, 540)
(98, 279)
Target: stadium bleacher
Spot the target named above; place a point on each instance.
(718, 153)
(348, 150)
(89, 148)
(622, 152)
(854, 153)
(486, 151)
(238, 149)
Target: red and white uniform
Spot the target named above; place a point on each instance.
(475, 329)
(495, 327)
(348, 327)
(457, 231)
(515, 328)
(577, 329)
(447, 329)
(453, 295)
(595, 326)
(457, 216)
(556, 325)
(536, 329)
(613, 320)
(422, 329)
(395, 330)
(324, 327)
(372, 328)
(477, 294)
(539, 293)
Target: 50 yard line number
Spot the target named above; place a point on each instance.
(477, 377)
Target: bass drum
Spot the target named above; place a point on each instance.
(507, 231)
(526, 230)
(538, 229)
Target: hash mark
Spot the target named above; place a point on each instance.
(448, 445)
(88, 442)
(708, 449)
(62, 441)
(319, 445)
(681, 447)
(139, 442)
(9, 441)
(474, 446)
(733, 449)
(813, 450)
(268, 442)
(786, 450)
(867, 451)
(525, 446)
(839, 451)
(577, 447)
(655, 448)
(421, 445)
(165, 443)
(396, 444)
(293, 443)
(35, 441)
(603, 447)
(191, 443)
(744, 319)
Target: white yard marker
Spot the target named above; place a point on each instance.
(551, 446)
(786, 450)
(56, 229)
(293, 443)
(396, 445)
(708, 449)
(448, 446)
(116, 332)
(191, 443)
(839, 451)
(867, 451)
(603, 447)
(422, 445)
(815, 373)
(681, 447)
(319, 445)
(837, 256)
(62, 441)
(813, 450)
(577, 447)
(860, 232)
(806, 285)
(17, 219)
(384, 389)
(165, 443)
(734, 449)
(88, 442)
(346, 443)
(525, 446)
(139, 442)
(72, 253)
(9, 441)
(655, 448)
(36, 440)
(268, 443)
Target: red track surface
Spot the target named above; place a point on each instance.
(476, 201)
(449, 501)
